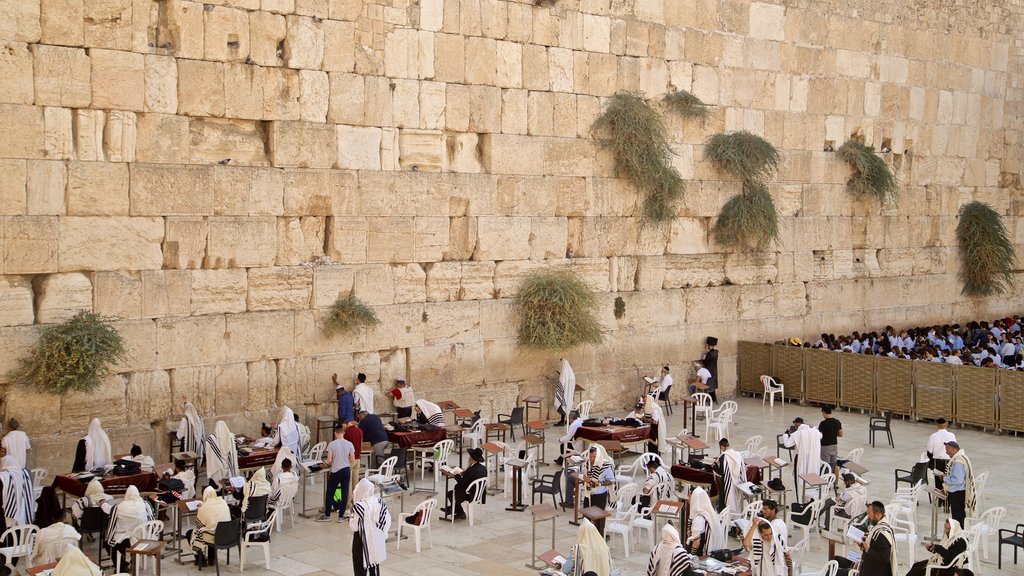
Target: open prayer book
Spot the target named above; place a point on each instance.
(451, 471)
(237, 482)
(855, 534)
(650, 380)
(194, 505)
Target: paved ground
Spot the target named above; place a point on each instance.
(500, 542)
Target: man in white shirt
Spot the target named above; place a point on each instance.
(16, 443)
(665, 383)
(937, 457)
(700, 381)
(566, 441)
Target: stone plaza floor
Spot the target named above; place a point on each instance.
(499, 543)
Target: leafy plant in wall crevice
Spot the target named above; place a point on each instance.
(871, 176)
(686, 105)
(745, 155)
(557, 311)
(639, 143)
(749, 221)
(348, 314)
(76, 354)
(987, 257)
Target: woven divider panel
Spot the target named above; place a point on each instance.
(975, 395)
(894, 385)
(787, 362)
(1011, 400)
(933, 390)
(755, 360)
(857, 381)
(822, 376)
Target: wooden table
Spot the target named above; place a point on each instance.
(463, 417)
(259, 458)
(113, 485)
(595, 514)
(498, 429)
(449, 406)
(813, 480)
(418, 438)
(325, 423)
(37, 569)
(533, 403)
(144, 548)
(624, 434)
(541, 513)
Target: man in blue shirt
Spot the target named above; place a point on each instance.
(345, 401)
(959, 482)
(375, 435)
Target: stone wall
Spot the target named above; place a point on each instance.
(215, 175)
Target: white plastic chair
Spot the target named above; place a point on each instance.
(478, 487)
(987, 524)
(830, 569)
(427, 508)
(477, 433)
(745, 518)
(438, 454)
(286, 502)
(627, 472)
(151, 530)
(904, 529)
(529, 471)
(797, 552)
(771, 388)
(855, 455)
(38, 480)
(752, 446)
(316, 454)
(643, 520)
(979, 489)
(704, 405)
(719, 420)
(623, 515)
(261, 530)
(23, 543)
(816, 508)
(584, 408)
(384, 473)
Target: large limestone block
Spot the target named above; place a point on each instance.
(266, 33)
(161, 138)
(280, 288)
(24, 131)
(35, 410)
(359, 148)
(46, 187)
(262, 383)
(299, 240)
(164, 190)
(259, 335)
(390, 239)
(339, 46)
(232, 386)
(409, 283)
(16, 343)
(450, 58)
(453, 322)
(61, 296)
(304, 44)
(107, 403)
(119, 136)
(347, 94)
(200, 88)
(295, 381)
(193, 384)
(431, 238)
(214, 140)
(19, 21)
(181, 29)
(226, 35)
(688, 236)
(314, 95)
(373, 284)
(16, 306)
(347, 239)
(161, 78)
(185, 242)
(108, 24)
(236, 242)
(118, 79)
(330, 283)
(149, 396)
(697, 270)
(281, 92)
(218, 291)
(117, 294)
(303, 144)
(118, 243)
(549, 238)
(30, 244)
(501, 238)
(443, 281)
(401, 326)
(166, 293)
(16, 69)
(509, 274)
(13, 178)
(320, 193)
(61, 22)
(191, 340)
(241, 190)
(97, 189)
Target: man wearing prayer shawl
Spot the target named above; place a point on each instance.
(565, 391)
(94, 496)
(363, 394)
(75, 563)
(659, 427)
(49, 516)
(257, 485)
(221, 453)
(767, 552)
(430, 413)
(19, 500)
(94, 449)
(598, 480)
(192, 432)
(288, 432)
(130, 513)
(732, 469)
(16, 443)
(283, 454)
(590, 554)
(706, 531)
(370, 522)
(878, 549)
(669, 558)
(284, 485)
(303, 433)
(213, 511)
(136, 455)
(807, 442)
(959, 482)
(952, 545)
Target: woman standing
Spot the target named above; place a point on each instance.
(370, 523)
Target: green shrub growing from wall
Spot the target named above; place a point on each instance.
(871, 175)
(745, 155)
(987, 257)
(749, 220)
(686, 105)
(348, 314)
(557, 311)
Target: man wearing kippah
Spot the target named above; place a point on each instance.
(16, 443)
(937, 458)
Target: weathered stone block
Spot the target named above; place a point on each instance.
(77, 409)
(24, 131)
(688, 236)
(16, 305)
(200, 88)
(108, 24)
(118, 79)
(117, 294)
(97, 189)
(331, 283)
(303, 144)
(266, 33)
(359, 148)
(161, 138)
(304, 44)
(30, 244)
(212, 141)
(409, 283)
(549, 238)
(236, 242)
(46, 186)
(262, 390)
(166, 293)
(339, 46)
(246, 335)
(347, 239)
(218, 291)
(191, 340)
(501, 238)
(295, 381)
(161, 79)
(13, 178)
(227, 34)
(148, 396)
(299, 240)
(314, 95)
(61, 22)
(61, 296)
(280, 288)
(421, 150)
(16, 68)
(112, 243)
(152, 185)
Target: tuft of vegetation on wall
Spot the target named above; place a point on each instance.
(557, 311)
(749, 220)
(74, 355)
(745, 155)
(871, 176)
(987, 257)
(639, 142)
(686, 105)
(348, 314)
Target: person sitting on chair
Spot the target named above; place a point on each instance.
(565, 442)
(461, 493)
(952, 545)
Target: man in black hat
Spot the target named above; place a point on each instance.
(710, 361)
(461, 493)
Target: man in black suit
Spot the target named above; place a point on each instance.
(461, 493)
(710, 361)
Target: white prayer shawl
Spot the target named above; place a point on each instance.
(733, 474)
(97, 446)
(94, 495)
(75, 563)
(970, 495)
(283, 488)
(808, 449)
(432, 412)
(213, 511)
(700, 505)
(303, 435)
(18, 498)
(883, 530)
(947, 541)
(364, 397)
(256, 486)
(371, 520)
(44, 553)
(288, 431)
(669, 557)
(221, 453)
(143, 460)
(592, 551)
(282, 454)
(767, 560)
(652, 407)
(188, 478)
(565, 392)
(126, 516)
(192, 431)
(16, 444)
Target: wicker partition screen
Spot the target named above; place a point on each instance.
(821, 376)
(1011, 400)
(975, 395)
(787, 365)
(857, 381)
(933, 390)
(894, 385)
(754, 360)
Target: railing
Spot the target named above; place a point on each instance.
(985, 397)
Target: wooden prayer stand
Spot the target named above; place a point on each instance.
(541, 513)
(595, 514)
(448, 406)
(492, 449)
(497, 429)
(813, 480)
(535, 443)
(463, 417)
(578, 478)
(183, 511)
(455, 433)
(190, 458)
(517, 485)
(325, 423)
(689, 401)
(549, 559)
(173, 443)
(33, 571)
(669, 509)
(855, 468)
(577, 395)
(539, 428)
(151, 548)
(532, 403)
